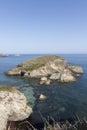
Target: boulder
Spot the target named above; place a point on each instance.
(42, 82)
(42, 97)
(44, 79)
(67, 77)
(13, 106)
(55, 76)
(48, 82)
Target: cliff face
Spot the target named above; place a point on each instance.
(51, 67)
(13, 106)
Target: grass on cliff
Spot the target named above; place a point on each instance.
(7, 88)
(38, 62)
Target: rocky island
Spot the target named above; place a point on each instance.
(3, 55)
(47, 69)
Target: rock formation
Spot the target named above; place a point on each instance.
(13, 106)
(47, 68)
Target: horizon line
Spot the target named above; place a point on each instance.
(43, 53)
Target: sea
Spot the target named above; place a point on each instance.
(65, 101)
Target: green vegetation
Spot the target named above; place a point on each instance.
(38, 62)
(32, 67)
(7, 88)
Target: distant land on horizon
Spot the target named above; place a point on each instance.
(42, 53)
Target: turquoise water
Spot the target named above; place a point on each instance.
(64, 101)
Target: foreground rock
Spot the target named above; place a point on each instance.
(47, 68)
(13, 106)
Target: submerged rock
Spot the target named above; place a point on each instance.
(13, 106)
(42, 97)
(47, 68)
(62, 109)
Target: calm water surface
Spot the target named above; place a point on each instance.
(64, 101)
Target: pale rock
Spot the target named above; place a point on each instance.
(67, 77)
(42, 82)
(48, 82)
(55, 76)
(55, 67)
(13, 107)
(15, 72)
(27, 75)
(76, 69)
(42, 97)
(38, 73)
(44, 79)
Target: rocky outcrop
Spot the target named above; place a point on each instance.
(13, 106)
(47, 68)
(75, 69)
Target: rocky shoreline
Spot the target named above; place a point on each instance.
(47, 69)
(16, 114)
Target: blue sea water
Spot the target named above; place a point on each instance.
(64, 101)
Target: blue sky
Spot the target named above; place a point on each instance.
(43, 26)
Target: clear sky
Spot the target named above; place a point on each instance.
(43, 26)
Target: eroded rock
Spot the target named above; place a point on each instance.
(13, 106)
(55, 76)
(67, 78)
(76, 69)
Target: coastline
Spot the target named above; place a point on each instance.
(58, 92)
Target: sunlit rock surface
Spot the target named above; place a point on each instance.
(13, 106)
